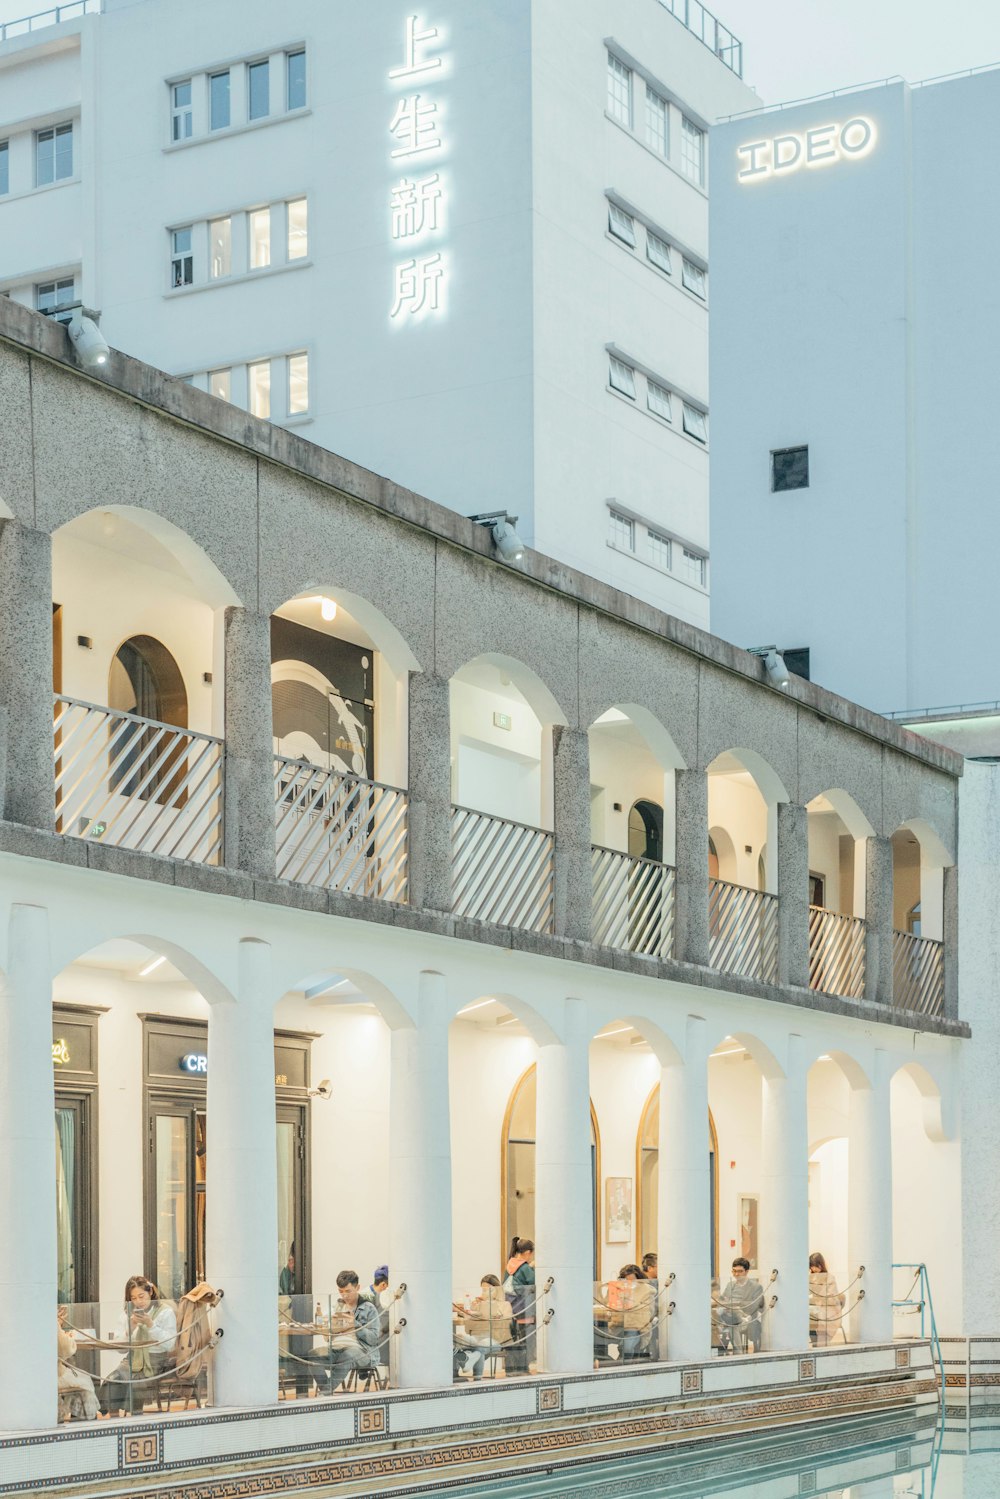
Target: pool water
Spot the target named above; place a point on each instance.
(911, 1453)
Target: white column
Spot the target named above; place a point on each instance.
(28, 1275)
(241, 1185)
(784, 1206)
(564, 1201)
(683, 1202)
(870, 1206)
(420, 1234)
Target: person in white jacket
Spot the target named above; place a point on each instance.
(149, 1327)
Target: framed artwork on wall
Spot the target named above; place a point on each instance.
(747, 1205)
(618, 1209)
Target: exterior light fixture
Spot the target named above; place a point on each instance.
(774, 664)
(324, 1090)
(89, 343)
(501, 526)
(328, 609)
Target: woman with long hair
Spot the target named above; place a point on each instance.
(825, 1303)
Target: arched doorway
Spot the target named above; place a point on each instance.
(645, 831)
(144, 680)
(647, 1158)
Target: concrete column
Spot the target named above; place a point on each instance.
(950, 932)
(26, 743)
(571, 821)
(683, 1201)
(430, 792)
(878, 920)
(869, 1211)
(564, 1202)
(241, 1183)
(420, 1190)
(249, 826)
(784, 1206)
(793, 895)
(691, 791)
(28, 1270)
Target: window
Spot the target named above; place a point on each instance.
(622, 532)
(695, 423)
(53, 155)
(796, 658)
(182, 260)
(692, 150)
(51, 295)
(622, 377)
(181, 118)
(298, 384)
(260, 238)
(619, 91)
(693, 566)
(658, 549)
(218, 100)
(694, 278)
(789, 469)
(259, 385)
(220, 247)
(4, 168)
(298, 229)
(220, 384)
(657, 123)
(658, 399)
(657, 251)
(295, 80)
(622, 225)
(258, 90)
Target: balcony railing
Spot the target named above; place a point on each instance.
(340, 832)
(633, 903)
(51, 17)
(743, 931)
(501, 871)
(917, 974)
(836, 953)
(708, 29)
(136, 783)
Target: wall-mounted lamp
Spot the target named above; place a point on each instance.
(501, 527)
(774, 664)
(89, 344)
(328, 609)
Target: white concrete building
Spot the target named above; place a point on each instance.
(855, 324)
(468, 249)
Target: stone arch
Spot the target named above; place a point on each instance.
(769, 783)
(658, 737)
(535, 691)
(383, 633)
(114, 526)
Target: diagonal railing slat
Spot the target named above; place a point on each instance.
(502, 871)
(339, 831)
(632, 904)
(743, 931)
(836, 953)
(917, 974)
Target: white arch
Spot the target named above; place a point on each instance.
(936, 1123)
(656, 735)
(209, 582)
(536, 693)
(769, 783)
(384, 635)
(847, 809)
(933, 849)
(194, 969)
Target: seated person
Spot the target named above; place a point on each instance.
(739, 1308)
(286, 1280)
(650, 1267)
(826, 1303)
(77, 1398)
(631, 1309)
(485, 1327)
(378, 1294)
(149, 1327)
(354, 1328)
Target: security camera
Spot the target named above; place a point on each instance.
(88, 341)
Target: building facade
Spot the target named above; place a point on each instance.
(469, 249)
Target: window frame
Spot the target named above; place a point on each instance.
(618, 519)
(58, 284)
(289, 58)
(621, 225)
(694, 279)
(213, 126)
(289, 359)
(182, 259)
(182, 112)
(615, 366)
(657, 110)
(692, 151)
(253, 70)
(252, 214)
(653, 238)
(692, 419)
(52, 133)
(4, 168)
(654, 539)
(661, 390)
(290, 203)
(258, 364)
(213, 274)
(789, 452)
(226, 370)
(620, 78)
(690, 575)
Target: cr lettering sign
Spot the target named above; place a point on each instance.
(820, 146)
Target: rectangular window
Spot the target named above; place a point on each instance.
(695, 423)
(622, 377)
(694, 279)
(657, 251)
(622, 533)
(259, 385)
(260, 238)
(789, 469)
(692, 150)
(220, 384)
(658, 549)
(4, 168)
(53, 155)
(295, 80)
(693, 566)
(181, 118)
(258, 90)
(658, 399)
(220, 247)
(298, 384)
(621, 225)
(298, 229)
(619, 91)
(218, 101)
(51, 295)
(181, 260)
(657, 123)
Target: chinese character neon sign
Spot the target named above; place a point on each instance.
(819, 146)
(415, 201)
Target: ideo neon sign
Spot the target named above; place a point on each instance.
(817, 147)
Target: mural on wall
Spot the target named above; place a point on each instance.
(747, 1219)
(618, 1209)
(322, 699)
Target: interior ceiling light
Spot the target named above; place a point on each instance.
(145, 972)
(479, 1005)
(328, 609)
(618, 1031)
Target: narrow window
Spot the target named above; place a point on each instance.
(298, 384)
(619, 91)
(789, 469)
(51, 295)
(218, 101)
(657, 251)
(53, 155)
(621, 225)
(622, 377)
(181, 118)
(220, 247)
(694, 567)
(4, 168)
(298, 229)
(692, 150)
(658, 399)
(259, 383)
(258, 90)
(260, 238)
(220, 384)
(658, 549)
(622, 532)
(695, 423)
(694, 279)
(295, 77)
(657, 123)
(181, 260)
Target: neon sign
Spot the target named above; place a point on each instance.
(817, 147)
(195, 1063)
(414, 201)
(60, 1053)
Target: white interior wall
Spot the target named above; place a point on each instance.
(624, 769)
(734, 1097)
(825, 829)
(620, 1081)
(926, 1207)
(496, 770)
(829, 1097)
(735, 804)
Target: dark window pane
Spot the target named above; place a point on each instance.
(4, 168)
(797, 660)
(219, 101)
(789, 469)
(259, 90)
(296, 80)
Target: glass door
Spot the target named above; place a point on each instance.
(72, 1197)
(171, 1256)
(293, 1248)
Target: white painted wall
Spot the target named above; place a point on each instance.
(736, 806)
